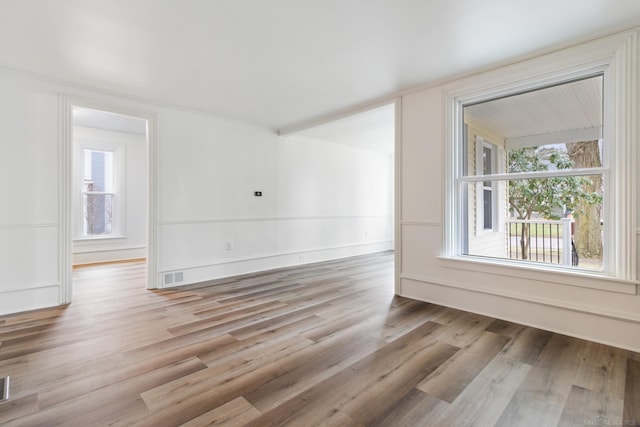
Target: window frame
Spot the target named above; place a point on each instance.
(87, 193)
(119, 186)
(614, 58)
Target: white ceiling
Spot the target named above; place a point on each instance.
(282, 62)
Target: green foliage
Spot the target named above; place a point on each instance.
(546, 196)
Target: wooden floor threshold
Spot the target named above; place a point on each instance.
(103, 263)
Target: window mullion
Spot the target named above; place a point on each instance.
(533, 175)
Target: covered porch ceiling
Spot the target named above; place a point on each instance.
(569, 112)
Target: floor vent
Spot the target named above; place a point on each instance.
(171, 278)
(4, 389)
(168, 278)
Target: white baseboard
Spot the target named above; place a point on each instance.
(607, 330)
(263, 263)
(93, 257)
(19, 300)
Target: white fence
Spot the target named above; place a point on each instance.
(541, 240)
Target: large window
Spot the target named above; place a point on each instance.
(568, 188)
(554, 178)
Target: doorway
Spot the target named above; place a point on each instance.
(109, 199)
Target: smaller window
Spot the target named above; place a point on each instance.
(486, 191)
(98, 192)
(488, 208)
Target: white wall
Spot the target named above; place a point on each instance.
(29, 218)
(208, 168)
(206, 200)
(133, 242)
(601, 310)
(319, 201)
(332, 197)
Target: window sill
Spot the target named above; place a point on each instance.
(550, 274)
(97, 239)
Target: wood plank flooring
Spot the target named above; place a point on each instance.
(325, 344)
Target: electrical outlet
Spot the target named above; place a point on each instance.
(229, 246)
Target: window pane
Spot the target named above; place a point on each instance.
(98, 171)
(486, 161)
(554, 220)
(571, 155)
(551, 128)
(487, 165)
(488, 209)
(98, 214)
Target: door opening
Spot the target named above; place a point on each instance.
(108, 202)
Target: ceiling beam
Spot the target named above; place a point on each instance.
(300, 127)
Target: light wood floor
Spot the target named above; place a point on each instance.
(327, 344)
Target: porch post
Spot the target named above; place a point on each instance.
(566, 241)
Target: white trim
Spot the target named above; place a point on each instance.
(275, 255)
(582, 308)
(30, 298)
(616, 58)
(555, 274)
(110, 255)
(397, 191)
(31, 287)
(153, 229)
(23, 226)
(98, 239)
(533, 175)
(626, 162)
(496, 311)
(265, 262)
(266, 219)
(66, 185)
(118, 249)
